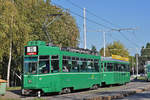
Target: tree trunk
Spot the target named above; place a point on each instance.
(9, 63)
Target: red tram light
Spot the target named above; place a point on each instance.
(31, 53)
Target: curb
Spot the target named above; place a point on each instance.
(120, 95)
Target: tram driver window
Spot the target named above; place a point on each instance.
(43, 64)
(54, 64)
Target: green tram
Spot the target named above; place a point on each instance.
(148, 72)
(115, 71)
(53, 69)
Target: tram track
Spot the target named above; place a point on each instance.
(102, 93)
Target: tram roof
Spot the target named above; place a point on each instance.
(111, 59)
(66, 49)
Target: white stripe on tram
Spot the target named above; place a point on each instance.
(60, 73)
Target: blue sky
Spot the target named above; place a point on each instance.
(122, 13)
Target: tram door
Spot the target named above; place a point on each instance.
(104, 71)
(43, 71)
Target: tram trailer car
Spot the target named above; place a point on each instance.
(148, 72)
(114, 71)
(53, 69)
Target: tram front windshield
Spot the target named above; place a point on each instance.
(30, 65)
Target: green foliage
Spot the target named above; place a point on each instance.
(13, 88)
(93, 48)
(22, 21)
(132, 61)
(115, 48)
(145, 52)
(145, 56)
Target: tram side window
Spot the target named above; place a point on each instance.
(101, 67)
(109, 67)
(54, 63)
(96, 65)
(75, 66)
(124, 68)
(128, 68)
(90, 65)
(105, 67)
(43, 64)
(116, 67)
(120, 67)
(66, 65)
(83, 64)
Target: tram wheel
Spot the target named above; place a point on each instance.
(68, 90)
(94, 87)
(65, 91)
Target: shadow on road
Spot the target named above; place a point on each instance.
(138, 80)
(17, 92)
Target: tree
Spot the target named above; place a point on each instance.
(146, 51)
(145, 56)
(21, 21)
(115, 48)
(132, 61)
(9, 19)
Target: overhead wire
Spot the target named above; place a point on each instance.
(83, 17)
(136, 38)
(94, 21)
(129, 40)
(98, 17)
(91, 13)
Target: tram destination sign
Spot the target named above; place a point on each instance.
(33, 50)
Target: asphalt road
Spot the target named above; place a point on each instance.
(138, 96)
(82, 94)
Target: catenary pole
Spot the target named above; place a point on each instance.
(84, 26)
(104, 35)
(137, 64)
